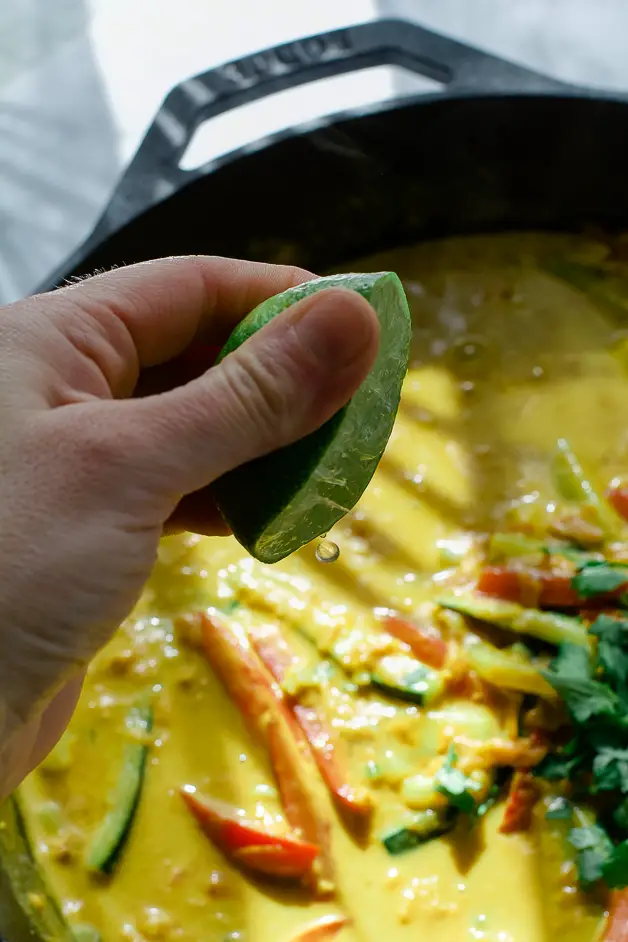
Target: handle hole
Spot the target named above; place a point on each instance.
(296, 106)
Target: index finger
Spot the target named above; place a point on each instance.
(167, 303)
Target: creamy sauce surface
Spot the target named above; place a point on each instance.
(506, 358)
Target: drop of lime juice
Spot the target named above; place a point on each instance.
(327, 552)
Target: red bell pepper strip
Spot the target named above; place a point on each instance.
(427, 646)
(274, 652)
(244, 677)
(534, 588)
(322, 930)
(617, 924)
(287, 761)
(261, 702)
(617, 496)
(329, 756)
(273, 861)
(327, 749)
(249, 844)
(522, 797)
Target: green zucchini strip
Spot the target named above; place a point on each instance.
(107, 842)
(547, 626)
(573, 485)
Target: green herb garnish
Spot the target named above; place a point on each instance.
(612, 650)
(597, 858)
(571, 676)
(595, 692)
(620, 815)
(455, 785)
(615, 868)
(594, 851)
(610, 769)
(560, 809)
(491, 799)
(598, 578)
(557, 766)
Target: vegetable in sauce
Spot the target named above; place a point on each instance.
(393, 746)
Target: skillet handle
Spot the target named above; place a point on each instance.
(154, 173)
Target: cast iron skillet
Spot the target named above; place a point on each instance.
(499, 147)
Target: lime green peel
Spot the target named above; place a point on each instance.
(280, 502)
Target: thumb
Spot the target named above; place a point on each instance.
(280, 385)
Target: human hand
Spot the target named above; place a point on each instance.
(89, 477)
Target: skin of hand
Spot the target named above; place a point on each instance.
(105, 441)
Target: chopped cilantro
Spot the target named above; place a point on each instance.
(560, 809)
(620, 815)
(491, 799)
(597, 577)
(612, 649)
(584, 698)
(585, 838)
(570, 675)
(594, 688)
(610, 769)
(558, 765)
(615, 868)
(573, 660)
(455, 786)
(590, 863)
(599, 714)
(594, 850)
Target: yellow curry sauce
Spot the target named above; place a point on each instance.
(506, 359)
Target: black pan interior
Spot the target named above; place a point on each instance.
(428, 168)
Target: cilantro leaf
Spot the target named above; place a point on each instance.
(595, 693)
(610, 769)
(560, 809)
(615, 868)
(620, 815)
(491, 799)
(455, 786)
(585, 838)
(573, 660)
(586, 698)
(603, 732)
(558, 765)
(597, 577)
(590, 864)
(570, 676)
(612, 649)
(594, 850)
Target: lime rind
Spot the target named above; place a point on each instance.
(280, 502)
(361, 282)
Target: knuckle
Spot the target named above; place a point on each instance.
(296, 275)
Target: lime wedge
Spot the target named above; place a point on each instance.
(280, 502)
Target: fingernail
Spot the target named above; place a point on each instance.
(336, 326)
